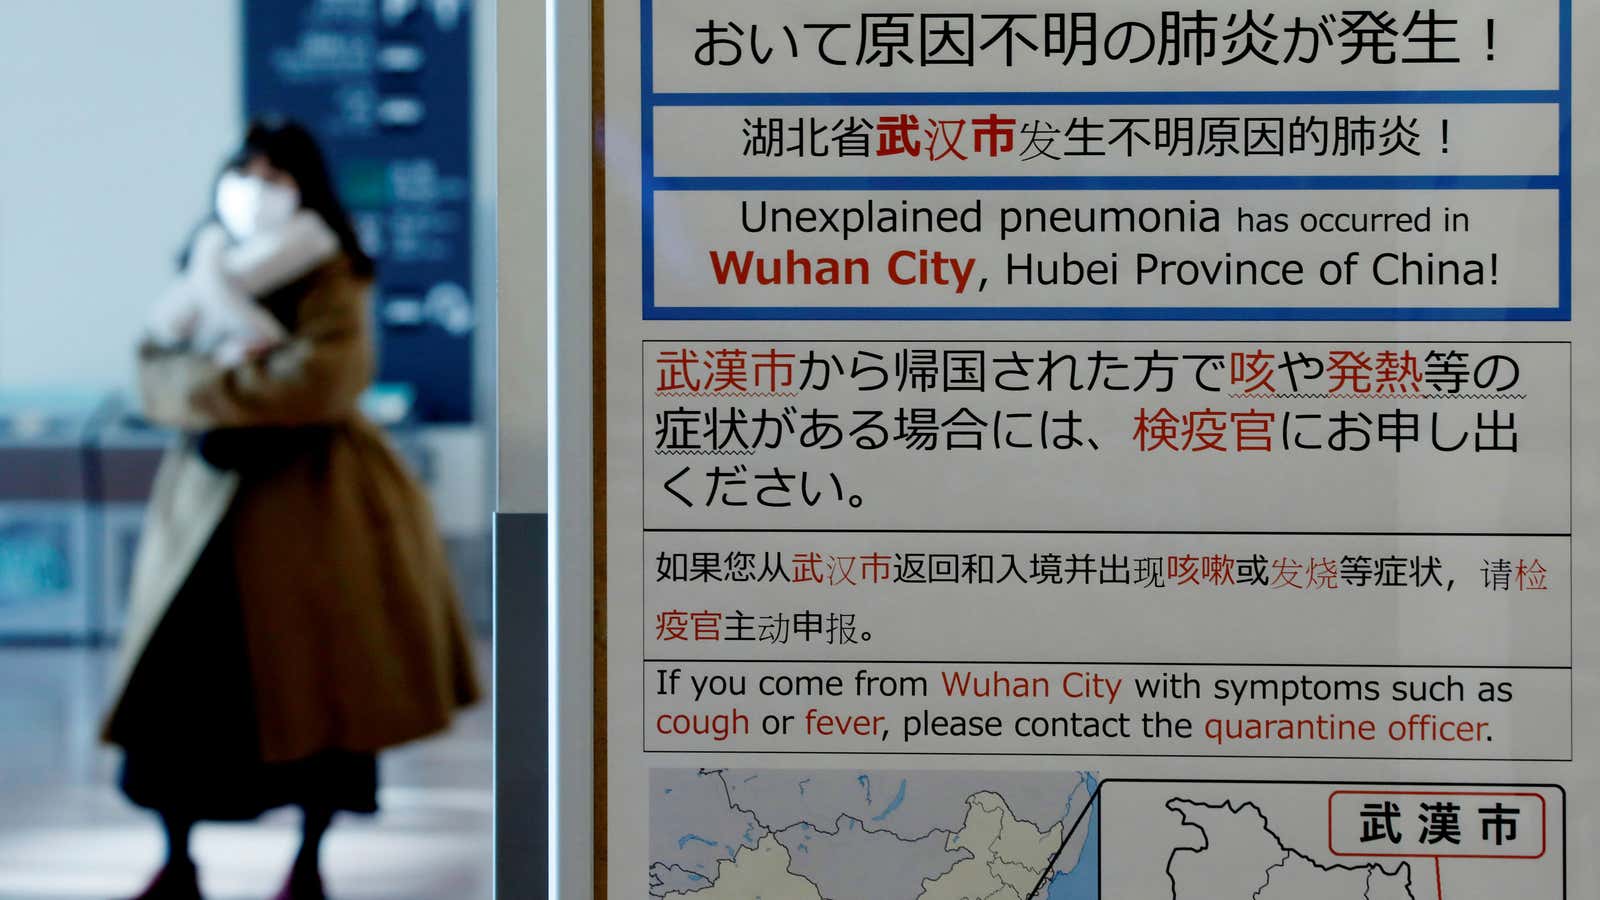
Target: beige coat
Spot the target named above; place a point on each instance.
(352, 625)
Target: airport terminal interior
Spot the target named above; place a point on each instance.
(130, 111)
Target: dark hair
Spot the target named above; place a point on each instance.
(288, 146)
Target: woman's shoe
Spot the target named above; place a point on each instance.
(175, 881)
(302, 885)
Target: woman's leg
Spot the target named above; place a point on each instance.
(305, 877)
(178, 829)
(317, 823)
(178, 879)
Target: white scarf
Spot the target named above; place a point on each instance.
(212, 307)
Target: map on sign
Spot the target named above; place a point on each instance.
(1177, 840)
(1235, 853)
(721, 834)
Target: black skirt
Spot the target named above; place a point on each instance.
(187, 721)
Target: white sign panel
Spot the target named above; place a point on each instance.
(1103, 450)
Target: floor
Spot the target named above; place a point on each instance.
(67, 834)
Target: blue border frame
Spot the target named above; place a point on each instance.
(650, 183)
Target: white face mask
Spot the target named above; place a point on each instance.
(249, 206)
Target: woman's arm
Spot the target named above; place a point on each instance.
(314, 378)
(230, 320)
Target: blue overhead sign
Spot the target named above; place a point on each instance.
(386, 85)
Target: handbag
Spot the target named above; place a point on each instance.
(257, 449)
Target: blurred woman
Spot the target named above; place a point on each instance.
(292, 610)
